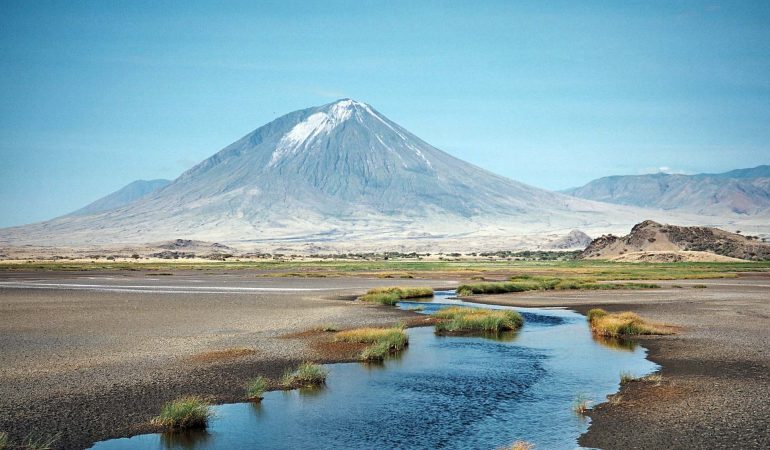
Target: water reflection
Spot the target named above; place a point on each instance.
(628, 345)
(184, 439)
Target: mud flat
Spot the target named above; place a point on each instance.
(715, 387)
(94, 355)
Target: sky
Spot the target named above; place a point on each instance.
(553, 94)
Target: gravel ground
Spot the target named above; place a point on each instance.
(715, 388)
(94, 356)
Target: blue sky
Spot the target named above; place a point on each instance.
(554, 94)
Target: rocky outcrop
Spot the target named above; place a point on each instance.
(653, 237)
(574, 240)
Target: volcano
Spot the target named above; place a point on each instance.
(341, 172)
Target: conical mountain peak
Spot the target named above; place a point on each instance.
(339, 169)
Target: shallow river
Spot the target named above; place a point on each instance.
(442, 392)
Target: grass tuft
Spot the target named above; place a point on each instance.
(328, 328)
(581, 404)
(384, 341)
(627, 377)
(3, 440)
(184, 413)
(307, 374)
(622, 324)
(595, 313)
(699, 286)
(392, 295)
(460, 319)
(256, 388)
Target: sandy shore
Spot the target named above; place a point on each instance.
(715, 388)
(94, 355)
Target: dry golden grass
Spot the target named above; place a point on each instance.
(623, 324)
(581, 404)
(654, 378)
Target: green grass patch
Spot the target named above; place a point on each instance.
(622, 324)
(523, 283)
(383, 341)
(306, 375)
(256, 389)
(184, 413)
(392, 295)
(374, 265)
(468, 320)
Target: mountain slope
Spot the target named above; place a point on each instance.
(340, 174)
(127, 194)
(738, 192)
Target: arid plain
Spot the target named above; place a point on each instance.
(93, 354)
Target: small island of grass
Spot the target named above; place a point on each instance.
(468, 320)
(306, 375)
(622, 324)
(384, 341)
(256, 389)
(184, 413)
(392, 295)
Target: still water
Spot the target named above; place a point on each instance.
(442, 392)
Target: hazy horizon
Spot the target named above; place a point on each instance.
(97, 95)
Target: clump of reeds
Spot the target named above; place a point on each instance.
(384, 341)
(256, 388)
(392, 295)
(461, 319)
(622, 324)
(184, 413)
(307, 374)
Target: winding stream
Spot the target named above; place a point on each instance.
(442, 392)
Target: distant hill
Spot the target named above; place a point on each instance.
(744, 192)
(652, 241)
(127, 194)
